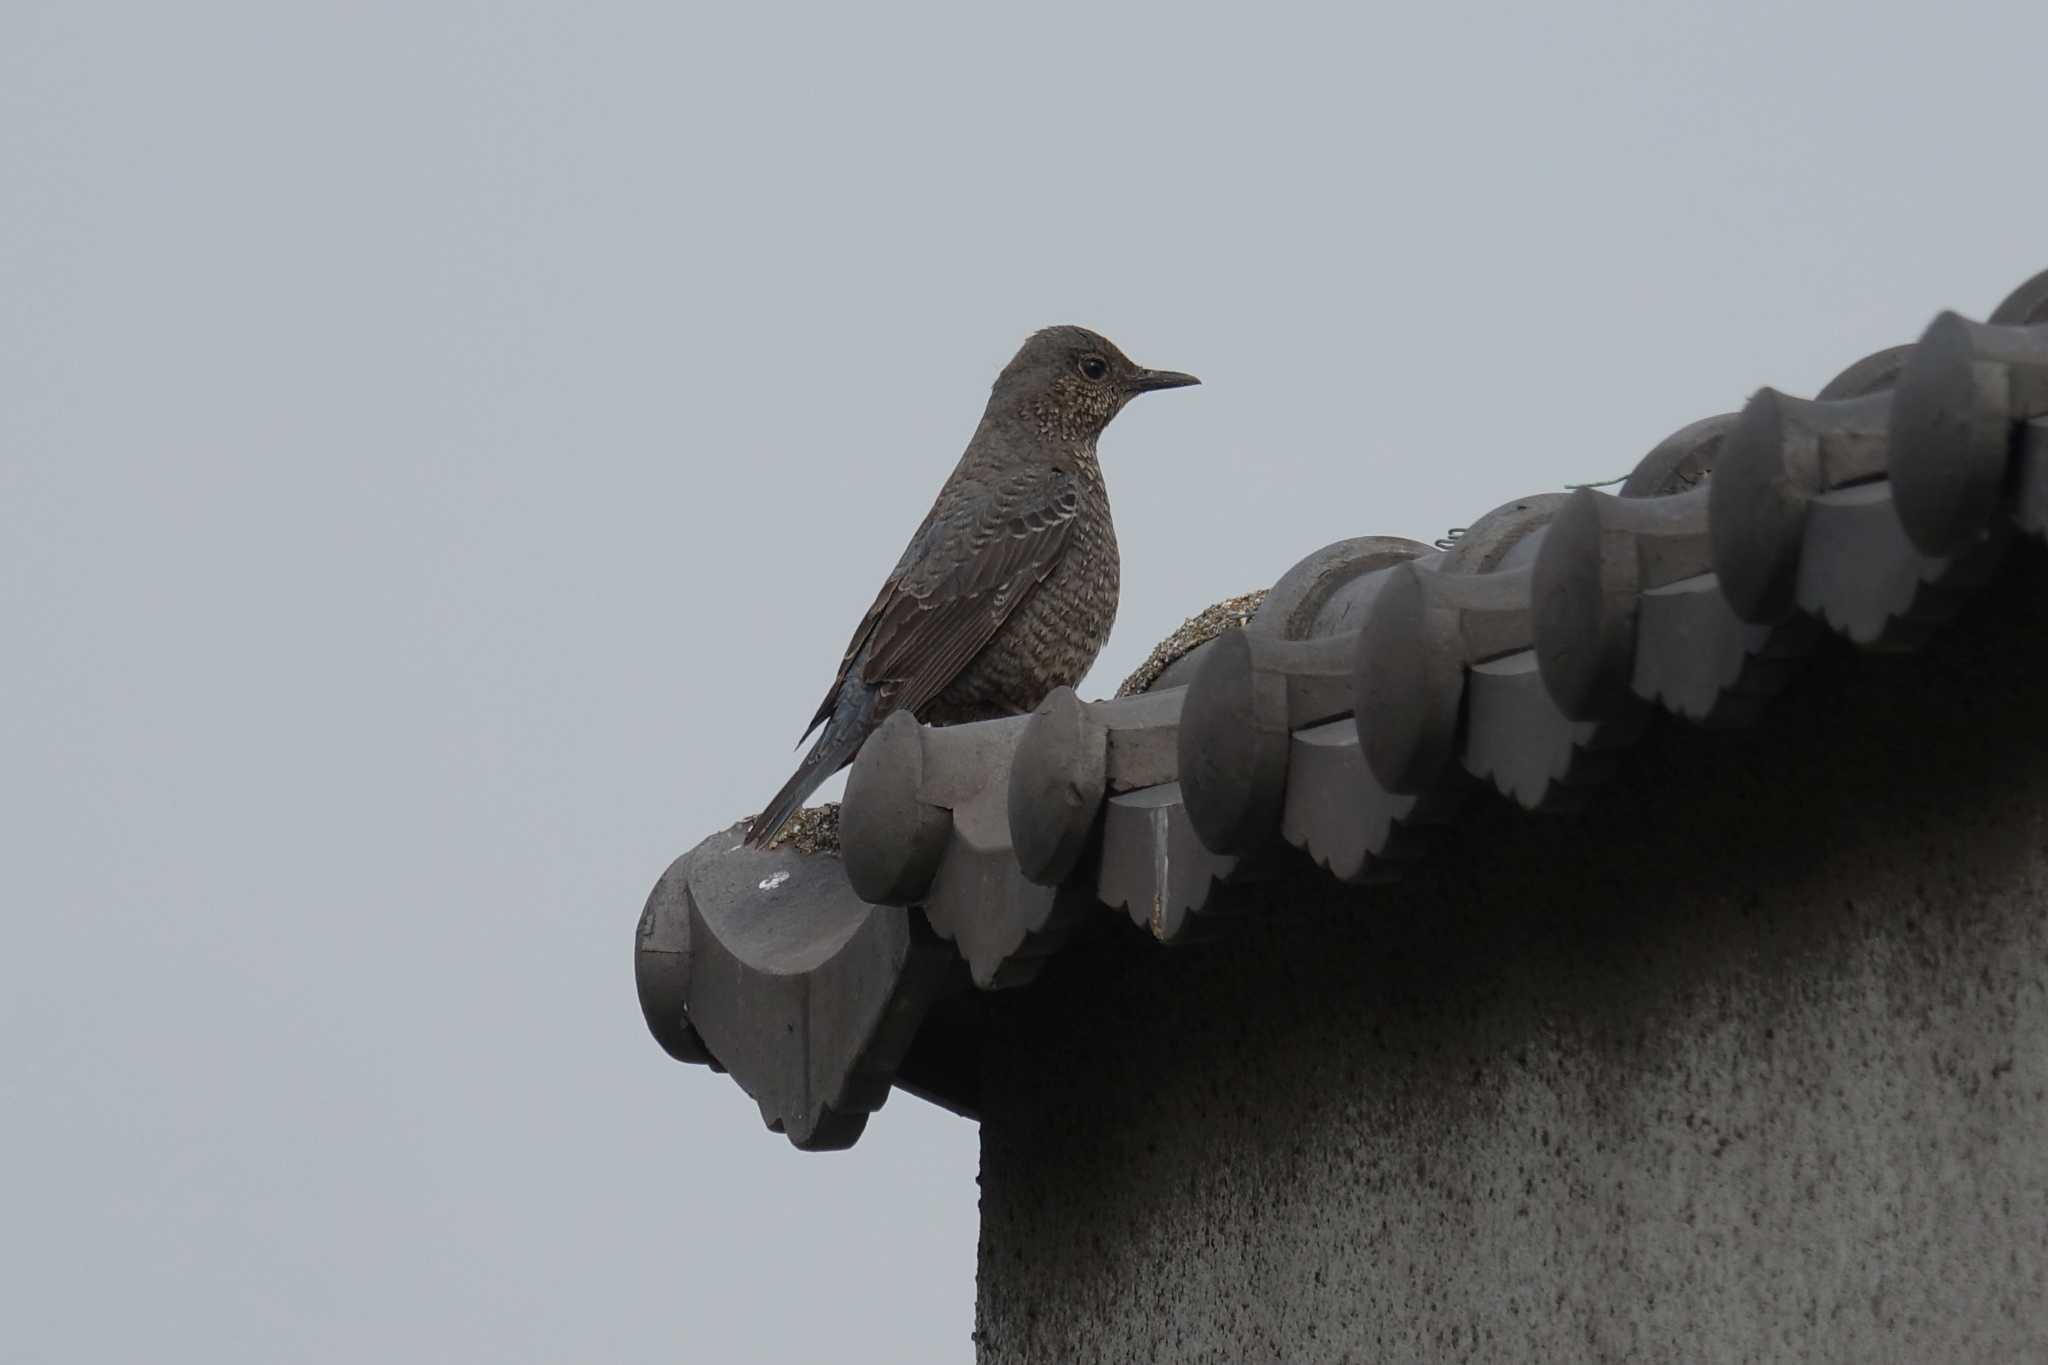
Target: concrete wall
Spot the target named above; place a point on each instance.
(1748, 1061)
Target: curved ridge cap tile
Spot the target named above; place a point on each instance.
(1687, 650)
(1233, 743)
(1445, 677)
(905, 794)
(1680, 461)
(1256, 686)
(1072, 756)
(1958, 409)
(804, 994)
(892, 828)
(1877, 372)
(1318, 596)
(1155, 867)
(1782, 456)
(1058, 779)
(926, 822)
(1487, 543)
(1602, 553)
(1802, 516)
(1408, 684)
(2025, 305)
(1447, 681)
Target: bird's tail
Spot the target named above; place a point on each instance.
(853, 719)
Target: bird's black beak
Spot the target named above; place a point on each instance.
(1145, 381)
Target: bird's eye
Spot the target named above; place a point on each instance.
(1093, 367)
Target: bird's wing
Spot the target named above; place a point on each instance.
(911, 554)
(981, 557)
(860, 637)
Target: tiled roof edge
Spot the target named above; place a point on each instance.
(1380, 685)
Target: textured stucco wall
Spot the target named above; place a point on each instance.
(1749, 1061)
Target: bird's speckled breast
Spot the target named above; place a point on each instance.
(1052, 639)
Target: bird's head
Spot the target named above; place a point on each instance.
(1068, 382)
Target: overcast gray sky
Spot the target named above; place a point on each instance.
(443, 448)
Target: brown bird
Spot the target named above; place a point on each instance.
(1009, 587)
